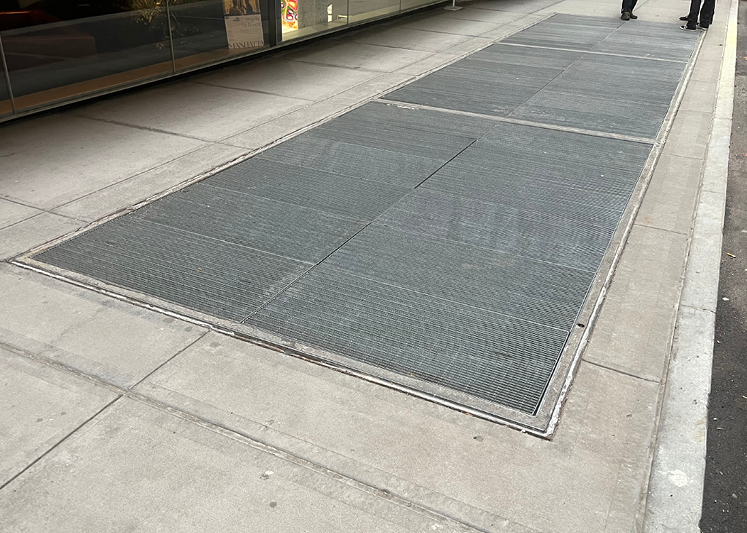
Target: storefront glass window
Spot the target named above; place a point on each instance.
(57, 49)
(306, 17)
(5, 104)
(54, 50)
(212, 30)
(366, 9)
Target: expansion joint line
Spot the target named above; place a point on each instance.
(582, 131)
(593, 52)
(61, 441)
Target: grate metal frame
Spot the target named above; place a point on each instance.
(542, 424)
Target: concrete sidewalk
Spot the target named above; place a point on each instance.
(116, 417)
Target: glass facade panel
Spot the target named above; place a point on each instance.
(58, 49)
(302, 18)
(54, 50)
(205, 31)
(366, 9)
(6, 106)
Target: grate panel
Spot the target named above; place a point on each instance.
(575, 36)
(515, 230)
(538, 291)
(444, 252)
(208, 275)
(501, 359)
(378, 115)
(354, 160)
(345, 196)
(437, 146)
(238, 218)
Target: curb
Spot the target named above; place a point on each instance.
(675, 492)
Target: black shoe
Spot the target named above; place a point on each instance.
(703, 26)
(625, 16)
(688, 27)
(633, 17)
(683, 18)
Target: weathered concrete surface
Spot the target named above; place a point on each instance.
(33, 231)
(110, 340)
(426, 452)
(79, 156)
(40, 407)
(138, 468)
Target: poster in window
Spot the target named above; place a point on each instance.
(243, 24)
(289, 10)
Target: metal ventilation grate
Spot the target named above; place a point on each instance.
(442, 251)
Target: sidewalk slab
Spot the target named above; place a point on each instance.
(410, 38)
(12, 213)
(672, 194)
(80, 156)
(113, 341)
(136, 467)
(689, 135)
(424, 452)
(32, 231)
(291, 79)
(193, 110)
(40, 407)
(358, 56)
(634, 335)
(140, 187)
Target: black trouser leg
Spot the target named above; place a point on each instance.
(706, 12)
(628, 6)
(692, 17)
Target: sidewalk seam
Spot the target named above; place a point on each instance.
(59, 443)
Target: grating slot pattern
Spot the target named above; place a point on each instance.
(398, 118)
(344, 196)
(532, 234)
(445, 252)
(217, 278)
(419, 143)
(355, 160)
(574, 36)
(269, 225)
(505, 360)
(537, 291)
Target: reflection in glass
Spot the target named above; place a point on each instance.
(61, 49)
(6, 106)
(368, 9)
(211, 30)
(301, 18)
(58, 49)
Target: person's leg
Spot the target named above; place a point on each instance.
(692, 17)
(627, 6)
(706, 12)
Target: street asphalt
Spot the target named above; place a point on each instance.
(725, 492)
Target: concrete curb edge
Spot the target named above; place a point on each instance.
(675, 493)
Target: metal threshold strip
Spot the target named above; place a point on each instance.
(453, 240)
